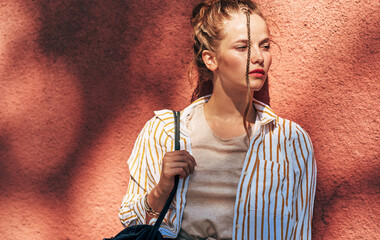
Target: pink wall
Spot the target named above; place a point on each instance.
(78, 81)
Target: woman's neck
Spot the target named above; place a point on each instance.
(228, 107)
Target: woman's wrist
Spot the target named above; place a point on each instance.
(156, 198)
(161, 192)
(148, 209)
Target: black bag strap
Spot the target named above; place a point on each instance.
(154, 231)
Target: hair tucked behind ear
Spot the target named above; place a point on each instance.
(208, 22)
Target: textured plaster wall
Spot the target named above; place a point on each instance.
(80, 78)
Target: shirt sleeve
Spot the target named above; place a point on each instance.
(132, 210)
(303, 201)
(145, 169)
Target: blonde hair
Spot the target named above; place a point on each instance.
(207, 22)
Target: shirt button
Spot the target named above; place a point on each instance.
(238, 226)
(241, 200)
(245, 173)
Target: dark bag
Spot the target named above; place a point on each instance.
(149, 232)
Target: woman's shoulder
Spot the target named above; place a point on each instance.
(160, 119)
(161, 122)
(293, 131)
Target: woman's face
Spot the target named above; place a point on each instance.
(231, 55)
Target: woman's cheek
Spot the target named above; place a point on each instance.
(268, 60)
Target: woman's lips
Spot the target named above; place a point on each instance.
(257, 73)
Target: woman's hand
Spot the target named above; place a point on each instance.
(174, 163)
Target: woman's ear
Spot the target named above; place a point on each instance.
(209, 59)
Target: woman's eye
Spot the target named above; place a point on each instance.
(241, 47)
(266, 47)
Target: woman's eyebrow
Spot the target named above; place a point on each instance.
(245, 41)
(265, 40)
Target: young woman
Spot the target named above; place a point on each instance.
(245, 172)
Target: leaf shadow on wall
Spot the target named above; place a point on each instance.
(90, 38)
(94, 40)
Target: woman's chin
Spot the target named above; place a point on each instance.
(256, 85)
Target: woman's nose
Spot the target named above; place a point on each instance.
(256, 55)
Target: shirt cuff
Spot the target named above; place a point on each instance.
(139, 209)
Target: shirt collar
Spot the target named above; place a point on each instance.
(265, 114)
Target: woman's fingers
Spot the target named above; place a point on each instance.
(191, 158)
(179, 156)
(179, 159)
(176, 171)
(175, 163)
(182, 165)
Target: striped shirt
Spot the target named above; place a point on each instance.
(275, 194)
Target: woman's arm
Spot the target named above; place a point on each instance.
(132, 211)
(148, 165)
(305, 190)
(174, 163)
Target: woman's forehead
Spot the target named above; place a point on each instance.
(236, 26)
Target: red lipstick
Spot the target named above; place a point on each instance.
(257, 73)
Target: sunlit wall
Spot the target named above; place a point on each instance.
(80, 78)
